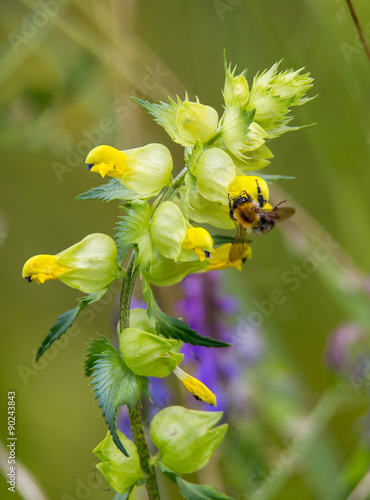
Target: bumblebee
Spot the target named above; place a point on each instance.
(252, 218)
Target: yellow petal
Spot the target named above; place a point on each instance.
(106, 160)
(195, 387)
(200, 241)
(41, 268)
(220, 259)
(248, 183)
(201, 254)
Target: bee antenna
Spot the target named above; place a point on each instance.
(279, 204)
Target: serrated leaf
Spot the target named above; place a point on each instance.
(175, 328)
(133, 230)
(193, 491)
(114, 383)
(66, 320)
(194, 156)
(112, 190)
(165, 115)
(235, 124)
(282, 129)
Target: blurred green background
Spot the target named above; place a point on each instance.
(67, 71)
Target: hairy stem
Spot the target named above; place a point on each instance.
(135, 416)
(173, 188)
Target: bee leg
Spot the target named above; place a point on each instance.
(231, 207)
(260, 198)
(247, 195)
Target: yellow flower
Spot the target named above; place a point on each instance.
(145, 170)
(199, 241)
(41, 268)
(106, 160)
(220, 259)
(89, 265)
(195, 387)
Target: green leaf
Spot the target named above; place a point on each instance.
(125, 496)
(175, 328)
(114, 383)
(235, 124)
(133, 230)
(66, 320)
(112, 190)
(222, 239)
(165, 115)
(172, 475)
(193, 491)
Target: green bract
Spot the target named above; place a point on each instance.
(186, 438)
(166, 272)
(168, 229)
(149, 167)
(235, 130)
(209, 212)
(214, 172)
(147, 354)
(186, 122)
(196, 122)
(140, 320)
(236, 89)
(120, 471)
(93, 261)
(272, 94)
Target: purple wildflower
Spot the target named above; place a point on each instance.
(206, 309)
(340, 344)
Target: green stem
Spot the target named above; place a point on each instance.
(128, 282)
(126, 292)
(172, 189)
(135, 416)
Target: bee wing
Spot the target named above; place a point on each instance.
(285, 212)
(239, 245)
(277, 215)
